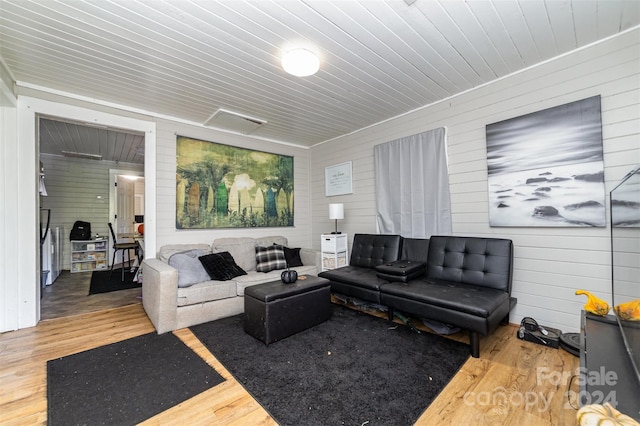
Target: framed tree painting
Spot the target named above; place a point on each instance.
(222, 186)
(546, 168)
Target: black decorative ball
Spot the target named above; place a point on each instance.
(289, 276)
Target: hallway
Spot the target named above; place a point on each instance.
(68, 296)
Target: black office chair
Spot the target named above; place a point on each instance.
(125, 247)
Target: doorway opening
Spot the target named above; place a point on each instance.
(81, 164)
(126, 207)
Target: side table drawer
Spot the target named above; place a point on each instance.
(334, 244)
(334, 261)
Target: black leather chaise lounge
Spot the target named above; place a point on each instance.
(466, 280)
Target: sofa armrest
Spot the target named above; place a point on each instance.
(160, 294)
(311, 257)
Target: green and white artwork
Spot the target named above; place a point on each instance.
(222, 186)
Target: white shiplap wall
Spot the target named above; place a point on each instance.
(550, 263)
(298, 236)
(9, 213)
(73, 187)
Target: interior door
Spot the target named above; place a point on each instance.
(125, 208)
(125, 205)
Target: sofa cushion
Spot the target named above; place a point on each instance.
(241, 248)
(206, 291)
(485, 262)
(254, 277)
(221, 266)
(168, 250)
(190, 269)
(355, 276)
(271, 240)
(371, 250)
(468, 298)
(270, 258)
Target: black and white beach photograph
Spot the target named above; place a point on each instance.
(546, 168)
(625, 201)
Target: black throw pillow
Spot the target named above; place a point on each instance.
(221, 266)
(292, 255)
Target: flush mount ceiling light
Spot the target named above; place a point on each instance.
(300, 62)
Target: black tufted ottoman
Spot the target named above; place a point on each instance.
(274, 311)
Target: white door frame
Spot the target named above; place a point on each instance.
(26, 223)
(9, 215)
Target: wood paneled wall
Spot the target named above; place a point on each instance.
(550, 263)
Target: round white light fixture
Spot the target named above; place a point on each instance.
(300, 62)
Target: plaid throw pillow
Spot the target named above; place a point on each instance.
(270, 258)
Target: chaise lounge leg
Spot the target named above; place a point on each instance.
(505, 320)
(512, 304)
(390, 314)
(474, 341)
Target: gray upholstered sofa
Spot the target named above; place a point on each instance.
(171, 307)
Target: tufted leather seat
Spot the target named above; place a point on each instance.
(467, 299)
(355, 281)
(466, 283)
(484, 262)
(369, 250)
(359, 278)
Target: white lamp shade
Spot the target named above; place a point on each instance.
(336, 211)
(300, 62)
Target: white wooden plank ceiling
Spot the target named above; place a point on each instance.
(379, 59)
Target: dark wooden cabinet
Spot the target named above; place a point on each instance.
(606, 371)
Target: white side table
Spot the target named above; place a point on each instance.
(335, 251)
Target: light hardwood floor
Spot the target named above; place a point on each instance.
(509, 384)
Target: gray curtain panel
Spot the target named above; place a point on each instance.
(412, 186)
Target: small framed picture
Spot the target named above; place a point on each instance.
(337, 179)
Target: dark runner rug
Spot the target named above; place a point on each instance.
(353, 369)
(100, 282)
(126, 382)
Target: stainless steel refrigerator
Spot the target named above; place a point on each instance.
(51, 255)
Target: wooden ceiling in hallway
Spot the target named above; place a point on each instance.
(90, 142)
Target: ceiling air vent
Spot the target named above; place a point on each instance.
(229, 120)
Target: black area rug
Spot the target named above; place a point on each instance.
(100, 282)
(351, 370)
(126, 382)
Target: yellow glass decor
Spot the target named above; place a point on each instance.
(629, 311)
(594, 305)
